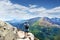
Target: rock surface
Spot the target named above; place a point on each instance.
(19, 34)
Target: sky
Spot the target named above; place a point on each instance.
(27, 9)
(45, 3)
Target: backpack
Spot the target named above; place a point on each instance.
(26, 26)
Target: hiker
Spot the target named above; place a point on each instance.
(26, 28)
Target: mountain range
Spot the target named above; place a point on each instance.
(43, 28)
(45, 20)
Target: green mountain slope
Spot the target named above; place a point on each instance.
(45, 30)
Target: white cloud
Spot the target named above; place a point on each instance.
(9, 11)
(32, 6)
(43, 12)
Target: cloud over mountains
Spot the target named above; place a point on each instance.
(9, 11)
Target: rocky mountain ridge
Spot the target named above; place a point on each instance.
(45, 22)
(18, 35)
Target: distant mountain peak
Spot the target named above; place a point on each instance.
(46, 22)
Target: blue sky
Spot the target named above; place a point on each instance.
(45, 3)
(27, 9)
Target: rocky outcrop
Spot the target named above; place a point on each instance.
(13, 33)
(21, 35)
